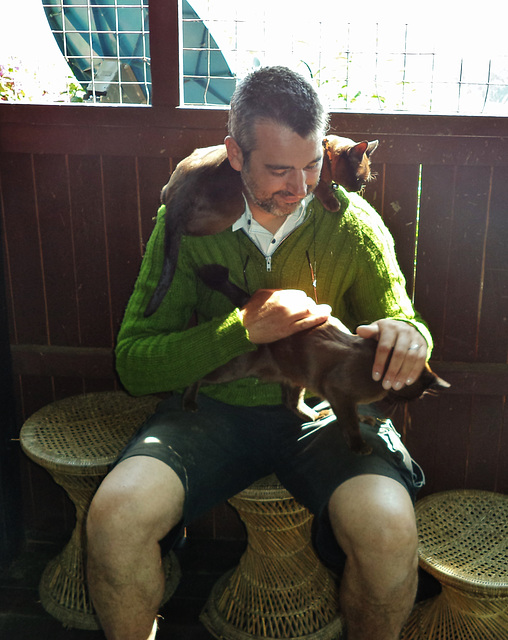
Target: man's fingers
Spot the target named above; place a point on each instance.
(406, 363)
(400, 354)
(274, 314)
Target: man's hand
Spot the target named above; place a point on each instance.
(272, 314)
(408, 356)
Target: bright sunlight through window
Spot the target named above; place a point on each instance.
(387, 57)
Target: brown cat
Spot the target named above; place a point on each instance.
(347, 163)
(204, 195)
(327, 360)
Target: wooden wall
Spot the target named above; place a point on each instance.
(79, 187)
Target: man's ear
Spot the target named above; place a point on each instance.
(235, 155)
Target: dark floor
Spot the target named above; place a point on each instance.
(22, 617)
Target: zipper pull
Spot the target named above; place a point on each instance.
(268, 263)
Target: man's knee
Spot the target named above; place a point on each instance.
(139, 501)
(374, 516)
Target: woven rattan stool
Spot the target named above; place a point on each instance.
(464, 544)
(76, 439)
(280, 589)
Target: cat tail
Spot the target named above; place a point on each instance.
(172, 241)
(216, 277)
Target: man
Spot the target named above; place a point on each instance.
(285, 249)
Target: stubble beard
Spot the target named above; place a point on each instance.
(270, 204)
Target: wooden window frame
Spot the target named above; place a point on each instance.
(159, 129)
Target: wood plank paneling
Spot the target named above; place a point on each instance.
(438, 440)
(493, 329)
(153, 173)
(499, 450)
(54, 219)
(77, 220)
(90, 251)
(399, 212)
(24, 254)
(80, 187)
(433, 256)
(150, 131)
(484, 436)
(122, 228)
(36, 391)
(466, 263)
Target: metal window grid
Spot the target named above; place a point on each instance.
(358, 68)
(111, 78)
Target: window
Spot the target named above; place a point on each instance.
(106, 43)
(206, 77)
(385, 57)
(391, 56)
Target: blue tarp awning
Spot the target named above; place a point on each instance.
(89, 35)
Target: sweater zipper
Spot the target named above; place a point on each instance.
(268, 259)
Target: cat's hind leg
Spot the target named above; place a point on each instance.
(347, 420)
(190, 397)
(294, 398)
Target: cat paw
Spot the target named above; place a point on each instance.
(308, 414)
(190, 405)
(370, 420)
(359, 446)
(365, 449)
(329, 202)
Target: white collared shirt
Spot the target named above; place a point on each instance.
(265, 240)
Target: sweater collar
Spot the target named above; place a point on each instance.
(264, 239)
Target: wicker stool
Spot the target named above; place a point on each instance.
(464, 544)
(280, 589)
(76, 439)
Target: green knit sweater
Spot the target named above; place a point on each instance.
(356, 273)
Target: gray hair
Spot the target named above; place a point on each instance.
(277, 94)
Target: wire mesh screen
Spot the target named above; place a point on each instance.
(363, 64)
(106, 43)
(388, 62)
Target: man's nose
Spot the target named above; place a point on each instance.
(297, 183)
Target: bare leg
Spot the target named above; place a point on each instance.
(373, 521)
(137, 504)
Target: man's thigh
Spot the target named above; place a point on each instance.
(216, 451)
(322, 462)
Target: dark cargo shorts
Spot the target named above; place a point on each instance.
(222, 449)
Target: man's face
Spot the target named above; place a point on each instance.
(282, 169)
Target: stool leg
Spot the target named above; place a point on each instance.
(280, 589)
(457, 615)
(63, 587)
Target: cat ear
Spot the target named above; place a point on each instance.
(358, 150)
(372, 147)
(439, 383)
(326, 149)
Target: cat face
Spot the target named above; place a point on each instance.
(281, 170)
